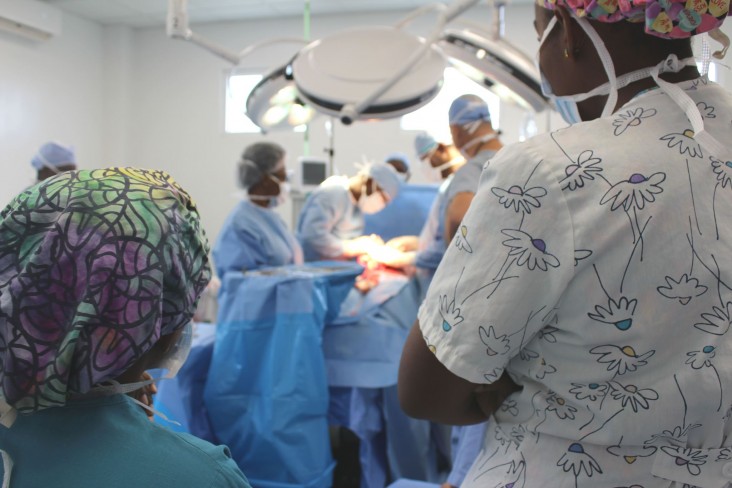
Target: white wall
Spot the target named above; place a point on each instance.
(51, 90)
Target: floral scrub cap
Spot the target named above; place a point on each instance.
(671, 19)
(95, 266)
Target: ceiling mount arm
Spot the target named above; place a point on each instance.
(177, 27)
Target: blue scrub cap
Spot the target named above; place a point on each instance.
(385, 176)
(424, 144)
(398, 156)
(468, 108)
(54, 155)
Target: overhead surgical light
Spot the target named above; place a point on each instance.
(492, 61)
(273, 103)
(373, 72)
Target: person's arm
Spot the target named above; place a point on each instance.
(428, 390)
(319, 217)
(455, 213)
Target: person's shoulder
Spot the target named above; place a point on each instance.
(202, 457)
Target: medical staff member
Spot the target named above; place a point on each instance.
(400, 162)
(331, 222)
(254, 235)
(53, 158)
(475, 138)
(585, 311)
(105, 268)
(440, 162)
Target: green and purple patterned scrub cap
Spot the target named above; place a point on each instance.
(95, 266)
(670, 19)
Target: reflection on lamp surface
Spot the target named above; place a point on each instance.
(274, 103)
(347, 67)
(496, 64)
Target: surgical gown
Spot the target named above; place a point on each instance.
(329, 217)
(253, 237)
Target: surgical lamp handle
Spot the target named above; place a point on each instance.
(350, 112)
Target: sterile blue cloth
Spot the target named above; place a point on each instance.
(109, 442)
(328, 217)
(405, 215)
(405, 483)
(267, 393)
(467, 443)
(363, 346)
(362, 349)
(253, 237)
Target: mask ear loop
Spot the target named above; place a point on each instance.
(7, 468)
(607, 62)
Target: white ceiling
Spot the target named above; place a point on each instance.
(146, 13)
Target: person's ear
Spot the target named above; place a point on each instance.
(570, 33)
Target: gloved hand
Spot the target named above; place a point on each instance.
(361, 245)
(404, 243)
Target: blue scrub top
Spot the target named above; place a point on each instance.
(110, 442)
(328, 218)
(253, 237)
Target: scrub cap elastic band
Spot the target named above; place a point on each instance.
(95, 266)
(669, 19)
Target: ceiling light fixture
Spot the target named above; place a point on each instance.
(377, 72)
(490, 60)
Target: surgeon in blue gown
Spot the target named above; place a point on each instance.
(254, 235)
(331, 223)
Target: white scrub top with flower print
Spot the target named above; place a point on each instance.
(595, 267)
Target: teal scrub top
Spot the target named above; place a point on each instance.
(110, 442)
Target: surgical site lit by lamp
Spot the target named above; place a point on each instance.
(273, 103)
(348, 67)
(495, 64)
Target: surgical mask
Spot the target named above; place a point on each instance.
(478, 140)
(434, 173)
(371, 204)
(402, 177)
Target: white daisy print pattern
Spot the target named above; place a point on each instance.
(461, 240)
(529, 251)
(685, 142)
(702, 358)
(631, 395)
(634, 192)
(692, 459)
(585, 168)
(522, 200)
(560, 407)
(591, 391)
(723, 170)
(631, 118)
(450, 314)
(494, 345)
(718, 321)
(621, 359)
(619, 314)
(577, 461)
(683, 289)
